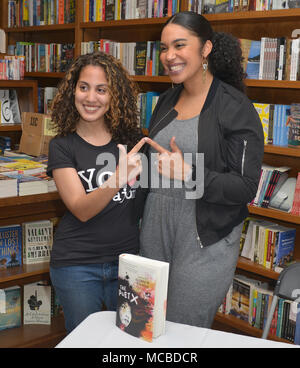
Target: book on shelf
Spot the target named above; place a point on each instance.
(251, 54)
(37, 303)
(6, 115)
(10, 307)
(295, 210)
(142, 296)
(37, 241)
(267, 243)
(8, 185)
(10, 246)
(271, 180)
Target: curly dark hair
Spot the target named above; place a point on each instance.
(225, 59)
(122, 119)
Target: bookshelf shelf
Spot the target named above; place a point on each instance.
(274, 214)
(10, 128)
(34, 336)
(46, 28)
(43, 75)
(232, 322)
(124, 23)
(255, 16)
(249, 266)
(24, 274)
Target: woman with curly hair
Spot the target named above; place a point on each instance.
(95, 113)
(217, 156)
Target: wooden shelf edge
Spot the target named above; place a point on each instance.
(274, 214)
(45, 28)
(24, 272)
(11, 127)
(247, 265)
(267, 83)
(28, 199)
(124, 23)
(254, 15)
(44, 75)
(34, 336)
(282, 151)
(245, 327)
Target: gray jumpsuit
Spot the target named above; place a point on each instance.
(199, 277)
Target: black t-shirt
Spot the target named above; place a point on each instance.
(109, 233)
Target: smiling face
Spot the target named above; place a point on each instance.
(182, 54)
(92, 97)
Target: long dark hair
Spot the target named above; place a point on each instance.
(225, 59)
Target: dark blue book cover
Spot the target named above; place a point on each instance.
(10, 246)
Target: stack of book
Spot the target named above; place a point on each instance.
(267, 244)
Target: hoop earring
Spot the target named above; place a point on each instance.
(204, 67)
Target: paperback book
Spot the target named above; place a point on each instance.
(37, 303)
(10, 246)
(142, 296)
(37, 241)
(10, 307)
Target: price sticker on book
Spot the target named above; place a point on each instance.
(2, 301)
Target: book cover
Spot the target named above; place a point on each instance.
(37, 241)
(10, 246)
(37, 303)
(142, 296)
(10, 307)
(284, 246)
(251, 55)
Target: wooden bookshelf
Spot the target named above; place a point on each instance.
(34, 336)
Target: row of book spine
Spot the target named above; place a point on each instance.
(40, 57)
(101, 10)
(12, 67)
(268, 244)
(139, 58)
(250, 300)
(23, 13)
(271, 58)
(274, 119)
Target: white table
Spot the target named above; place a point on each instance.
(99, 331)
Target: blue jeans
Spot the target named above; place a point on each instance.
(82, 290)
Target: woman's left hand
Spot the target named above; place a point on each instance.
(170, 163)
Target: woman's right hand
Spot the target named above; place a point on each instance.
(130, 164)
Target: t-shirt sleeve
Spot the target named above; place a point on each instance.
(60, 155)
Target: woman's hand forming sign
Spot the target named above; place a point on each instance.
(130, 164)
(170, 163)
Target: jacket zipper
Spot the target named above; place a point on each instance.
(157, 124)
(243, 157)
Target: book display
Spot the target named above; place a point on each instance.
(82, 27)
(142, 296)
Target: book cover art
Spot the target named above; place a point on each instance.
(10, 246)
(251, 55)
(37, 303)
(37, 241)
(136, 296)
(10, 307)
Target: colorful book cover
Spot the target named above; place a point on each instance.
(142, 294)
(10, 246)
(10, 307)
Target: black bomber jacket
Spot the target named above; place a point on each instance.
(230, 136)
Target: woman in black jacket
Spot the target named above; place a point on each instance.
(207, 143)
